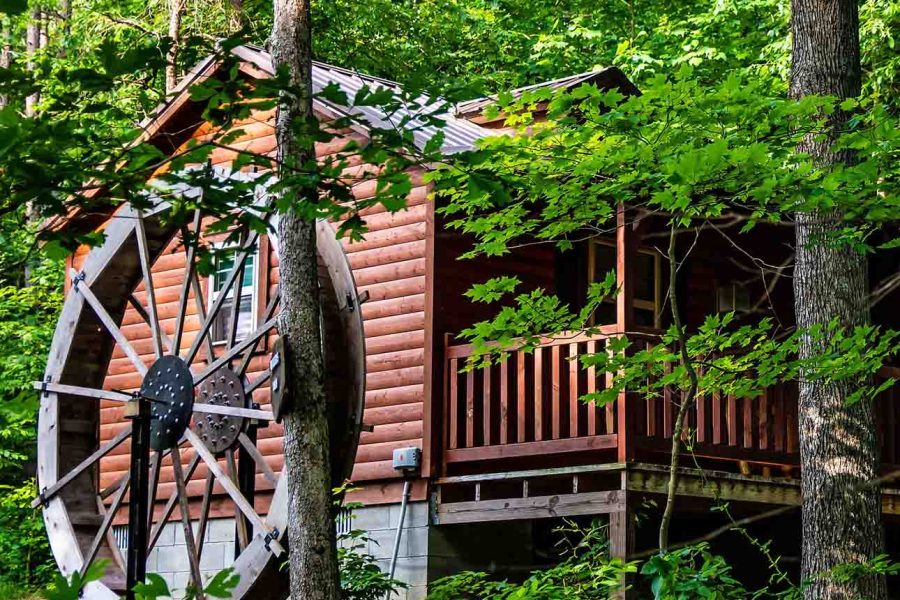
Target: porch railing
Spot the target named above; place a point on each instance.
(528, 406)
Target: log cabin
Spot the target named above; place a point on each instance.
(509, 450)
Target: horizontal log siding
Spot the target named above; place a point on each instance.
(389, 264)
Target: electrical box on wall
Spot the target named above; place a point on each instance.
(407, 459)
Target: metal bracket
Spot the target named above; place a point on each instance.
(42, 496)
(78, 279)
(352, 302)
(271, 536)
(44, 392)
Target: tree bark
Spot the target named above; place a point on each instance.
(236, 18)
(311, 533)
(176, 11)
(5, 54)
(32, 45)
(838, 449)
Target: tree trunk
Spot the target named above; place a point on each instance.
(32, 44)
(5, 54)
(838, 449)
(176, 11)
(311, 533)
(65, 16)
(236, 18)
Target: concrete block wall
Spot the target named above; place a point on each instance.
(380, 524)
(170, 560)
(169, 556)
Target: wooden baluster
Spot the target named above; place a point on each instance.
(573, 390)
(554, 392)
(793, 429)
(668, 406)
(520, 396)
(701, 418)
(732, 416)
(470, 408)
(538, 395)
(779, 425)
(764, 420)
(748, 422)
(591, 388)
(504, 401)
(716, 398)
(486, 403)
(610, 410)
(454, 405)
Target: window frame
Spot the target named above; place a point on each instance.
(212, 294)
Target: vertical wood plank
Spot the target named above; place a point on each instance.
(504, 400)
(732, 416)
(716, 399)
(779, 425)
(573, 390)
(470, 408)
(538, 394)
(454, 406)
(668, 406)
(764, 421)
(748, 422)
(486, 403)
(702, 418)
(554, 392)
(610, 409)
(520, 396)
(591, 348)
(790, 406)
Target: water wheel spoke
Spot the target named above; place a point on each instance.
(258, 458)
(250, 340)
(233, 411)
(170, 505)
(155, 465)
(140, 310)
(184, 507)
(267, 315)
(253, 385)
(232, 490)
(105, 525)
(239, 259)
(204, 510)
(240, 523)
(109, 323)
(231, 334)
(147, 270)
(102, 451)
(183, 297)
(86, 392)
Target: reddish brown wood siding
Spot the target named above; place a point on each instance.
(389, 264)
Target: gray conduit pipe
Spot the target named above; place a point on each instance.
(407, 485)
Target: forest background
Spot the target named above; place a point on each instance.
(461, 48)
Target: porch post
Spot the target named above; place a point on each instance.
(624, 320)
(621, 544)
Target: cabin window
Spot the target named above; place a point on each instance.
(647, 285)
(246, 321)
(733, 297)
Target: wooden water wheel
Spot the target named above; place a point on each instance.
(204, 409)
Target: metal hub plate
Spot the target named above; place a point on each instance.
(220, 432)
(169, 385)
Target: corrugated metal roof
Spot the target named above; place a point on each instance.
(459, 134)
(606, 78)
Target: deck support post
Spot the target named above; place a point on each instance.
(625, 247)
(622, 543)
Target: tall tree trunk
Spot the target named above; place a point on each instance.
(176, 11)
(5, 54)
(65, 16)
(311, 534)
(236, 18)
(32, 44)
(838, 450)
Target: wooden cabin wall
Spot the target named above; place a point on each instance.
(389, 264)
